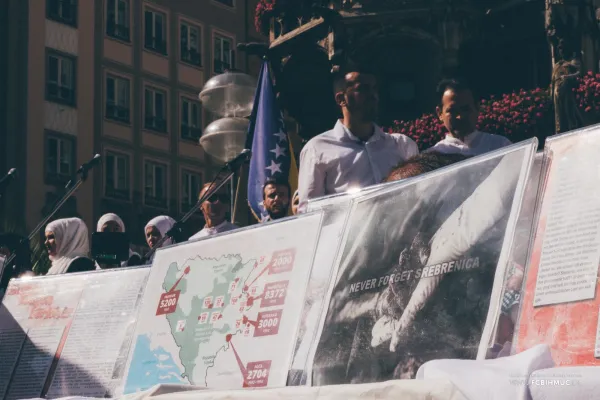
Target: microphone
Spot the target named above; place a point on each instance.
(7, 179)
(90, 164)
(237, 162)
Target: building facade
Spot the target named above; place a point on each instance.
(119, 78)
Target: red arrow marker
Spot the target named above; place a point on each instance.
(237, 358)
(185, 272)
(245, 321)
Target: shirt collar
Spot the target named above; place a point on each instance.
(469, 139)
(342, 133)
(216, 228)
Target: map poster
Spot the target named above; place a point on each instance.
(64, 335)
(223, 312)
(561, 297)
(416, 270)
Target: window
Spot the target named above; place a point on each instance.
(228, 3)
(190, 119)
(190, 188)
(117, 98)
(155, 115)
(59, 158)
(190, 44)
(117, 19)
(223, 54)
(155, 31)
(117, 175)
(155, 184)
(60, 79)
(64, 11)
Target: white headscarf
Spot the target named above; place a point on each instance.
(110, 217)
(164, 224)
(114, 218)
(72, 241)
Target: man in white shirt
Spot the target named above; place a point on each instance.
(356, 153)
(459, 111)
(215, 210)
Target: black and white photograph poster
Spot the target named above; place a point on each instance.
(416, 270)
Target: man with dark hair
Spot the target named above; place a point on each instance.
(459, 111)
(215, 212)
(276, 198)
(356, 153)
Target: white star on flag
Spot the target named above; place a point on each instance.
(274, 167)
(279, 151)
(281, 135)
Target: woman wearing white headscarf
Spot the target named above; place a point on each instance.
(113, 223)
(156, 229)
(68, 246)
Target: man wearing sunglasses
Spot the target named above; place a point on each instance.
(215, 213)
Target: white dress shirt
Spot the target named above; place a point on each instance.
(336, 161)
(475, 143)
(222, 227)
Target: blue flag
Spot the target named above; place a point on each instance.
(270, 145)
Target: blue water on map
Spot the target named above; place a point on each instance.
(150, 367)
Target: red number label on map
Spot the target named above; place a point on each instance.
(219, 301)
(214, 317)
(207, 302)
(257, 374)
(167, 303)
(203, 318)
(274, 294)
(268, 323)
(282, 261)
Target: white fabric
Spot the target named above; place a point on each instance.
(110, 217)
(71, 236)
(114, 218)
(390, 390)
(580, 383)
(336, 161)
(222, 227)
(164, 224)
(498, 379)
(474, 144)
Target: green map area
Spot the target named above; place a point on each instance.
(199, 343)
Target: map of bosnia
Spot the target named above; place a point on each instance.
(223, 319)
(203, 318)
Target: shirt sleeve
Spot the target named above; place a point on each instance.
(406, 146)
(311, 178)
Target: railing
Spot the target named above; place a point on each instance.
(155, 44)
(117, 31)
(118, 113)
(153, 123)
(191, 56)
(190, 132)
(61, 94)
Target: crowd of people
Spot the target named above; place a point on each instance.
(355, 154)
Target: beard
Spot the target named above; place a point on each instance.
(279, 213)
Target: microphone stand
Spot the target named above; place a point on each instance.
(226, 172)
(71, 188)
